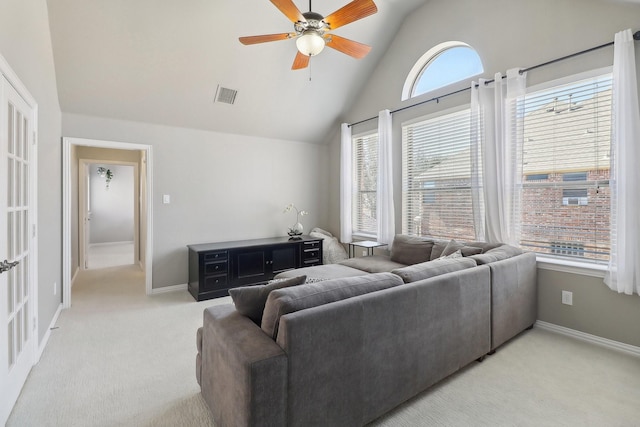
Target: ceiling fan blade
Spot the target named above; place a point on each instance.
(290, 10)
(351, 48)
(353, 11)
(301, 61)
(266, 38)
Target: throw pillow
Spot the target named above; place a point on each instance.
(410, 250)
(315, 279)
(456, 254)
(250, 300)
(438, 248)
(332, 249)
(443, 248)
(321, 231)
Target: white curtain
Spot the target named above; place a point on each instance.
(385, 209)
(624, 266)
(346, 184)
(494, 107)
(477, 199)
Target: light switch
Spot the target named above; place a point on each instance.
(166, 199)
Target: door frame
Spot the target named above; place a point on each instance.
(83, 175)
(13, 79)
(147, 242)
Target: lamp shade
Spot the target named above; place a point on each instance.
(310, 43)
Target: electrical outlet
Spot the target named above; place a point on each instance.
(166, 199)
(567, 297)
(55, 288)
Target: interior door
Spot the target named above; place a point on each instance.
(17, 323)
(85, 212)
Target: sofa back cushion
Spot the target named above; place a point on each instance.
(484, 245)
(425, 270)
(410, 250)
(289, 300)
(497, 254)
(250, 300)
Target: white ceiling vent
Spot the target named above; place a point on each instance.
(225, 95)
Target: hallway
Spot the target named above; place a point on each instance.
(110, 255)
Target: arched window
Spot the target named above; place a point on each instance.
(442, 65)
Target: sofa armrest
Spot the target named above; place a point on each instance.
(514, 299)
(244, 372)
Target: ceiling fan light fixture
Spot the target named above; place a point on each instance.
(310, 43)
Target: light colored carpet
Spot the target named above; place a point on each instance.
(103, 255)
(120, 358)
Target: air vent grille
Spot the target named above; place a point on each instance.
(225, 95)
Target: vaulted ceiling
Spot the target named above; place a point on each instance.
(161, 62)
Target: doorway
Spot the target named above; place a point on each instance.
(109, 215)
(85, 184)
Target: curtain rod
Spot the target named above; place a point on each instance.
(636, 36)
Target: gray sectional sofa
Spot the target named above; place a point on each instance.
(364, 335)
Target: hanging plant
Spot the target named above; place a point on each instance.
(106, 174)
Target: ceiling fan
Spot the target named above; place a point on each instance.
(311, 30)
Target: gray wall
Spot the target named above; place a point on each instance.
(523, 34)
(223, 187)
(596, 309)
(26, 45)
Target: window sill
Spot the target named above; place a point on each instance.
(574, 267)
(364, 236)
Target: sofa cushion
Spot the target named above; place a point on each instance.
(250, 300)
(325, 271)
(497, 254)
(484, 245)
(372, 264)
(289, 300)
(409, 250)
(425, 270)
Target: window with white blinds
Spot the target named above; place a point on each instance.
(564, 162)
(365, 184)
(436, 177)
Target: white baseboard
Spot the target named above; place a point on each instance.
(594, 339)
(124, 242)
(165, 289)
(45, 338)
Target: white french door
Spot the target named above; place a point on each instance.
(17, 308)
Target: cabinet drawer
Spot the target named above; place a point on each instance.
(310, 253)
(215, 256)
(212, 283)
(215, 267)
(313, 244)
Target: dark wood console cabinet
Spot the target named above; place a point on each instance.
(214, 268)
